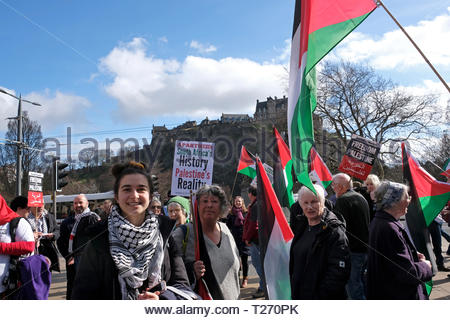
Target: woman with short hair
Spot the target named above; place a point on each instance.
(221, 272)
(319, 265)
(395, 269)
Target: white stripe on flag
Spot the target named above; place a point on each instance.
(276, 265)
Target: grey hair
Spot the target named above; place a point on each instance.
(216, 191)
(345, 177)
(172, 204)
(388, 194)
(320, 192)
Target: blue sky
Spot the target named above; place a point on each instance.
(112, 65)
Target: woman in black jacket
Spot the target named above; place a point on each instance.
(133, 251)
(319, 264)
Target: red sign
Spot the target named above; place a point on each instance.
(35, 199)
(355, 168)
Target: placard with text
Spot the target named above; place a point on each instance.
(359, 157)
(192, 166)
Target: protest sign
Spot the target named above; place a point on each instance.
(359, 157)
(35, 195)
(192, 166)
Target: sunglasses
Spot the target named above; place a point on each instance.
(155, 207)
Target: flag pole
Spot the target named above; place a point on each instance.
(415, 45)
(234, 183)
(436, 165)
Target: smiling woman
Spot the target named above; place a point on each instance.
(134, 251)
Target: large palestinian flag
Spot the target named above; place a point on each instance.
(428, 198)
(319, 25)
(246, 164)
(275, 237)
(319, 169)
(282, 172)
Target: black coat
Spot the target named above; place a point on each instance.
(97, 274)
(355, 210)
(64, 234)
(328, 262)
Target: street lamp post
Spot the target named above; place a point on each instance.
(19, 142)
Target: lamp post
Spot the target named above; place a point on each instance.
(19, 142)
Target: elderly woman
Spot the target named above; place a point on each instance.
(133, 252)
(221, 272)
(179, 210)
(155, 206)
(319, 265)
(371, 183)
(395, 269)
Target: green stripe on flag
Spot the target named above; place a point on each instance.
(325, 39)
(302, 124)
(432, 205)
(249, 171)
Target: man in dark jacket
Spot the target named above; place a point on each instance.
(354, 210)
(63, 247)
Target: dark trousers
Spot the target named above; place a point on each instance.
(70, 273)
(436, 238)
(244, 259)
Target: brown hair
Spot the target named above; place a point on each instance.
(123, 169)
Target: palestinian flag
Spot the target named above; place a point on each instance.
(246, 164)
(319, 169)
(446, 171)
(428, 198)
(282, 172)
(319, 25)
(275, 237)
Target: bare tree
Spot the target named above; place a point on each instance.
(353, 99)
(32, 139)
(89, 156)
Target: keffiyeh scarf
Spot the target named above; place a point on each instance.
(136, 251)
(38, 224)
(78, 218)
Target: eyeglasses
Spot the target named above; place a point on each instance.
(155, 207)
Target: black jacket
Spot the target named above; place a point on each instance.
(327, 267)
(64, 234)
(97, 275)
(355, 210)
(297, 212)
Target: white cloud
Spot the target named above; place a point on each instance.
(393, 49)
(163, 39)
(202, 48)
(146, 86)
(56, 109)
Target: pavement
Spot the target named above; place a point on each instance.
(441, 283)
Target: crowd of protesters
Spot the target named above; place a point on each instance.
(349, 246)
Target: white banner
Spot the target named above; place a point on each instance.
(193, 163)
